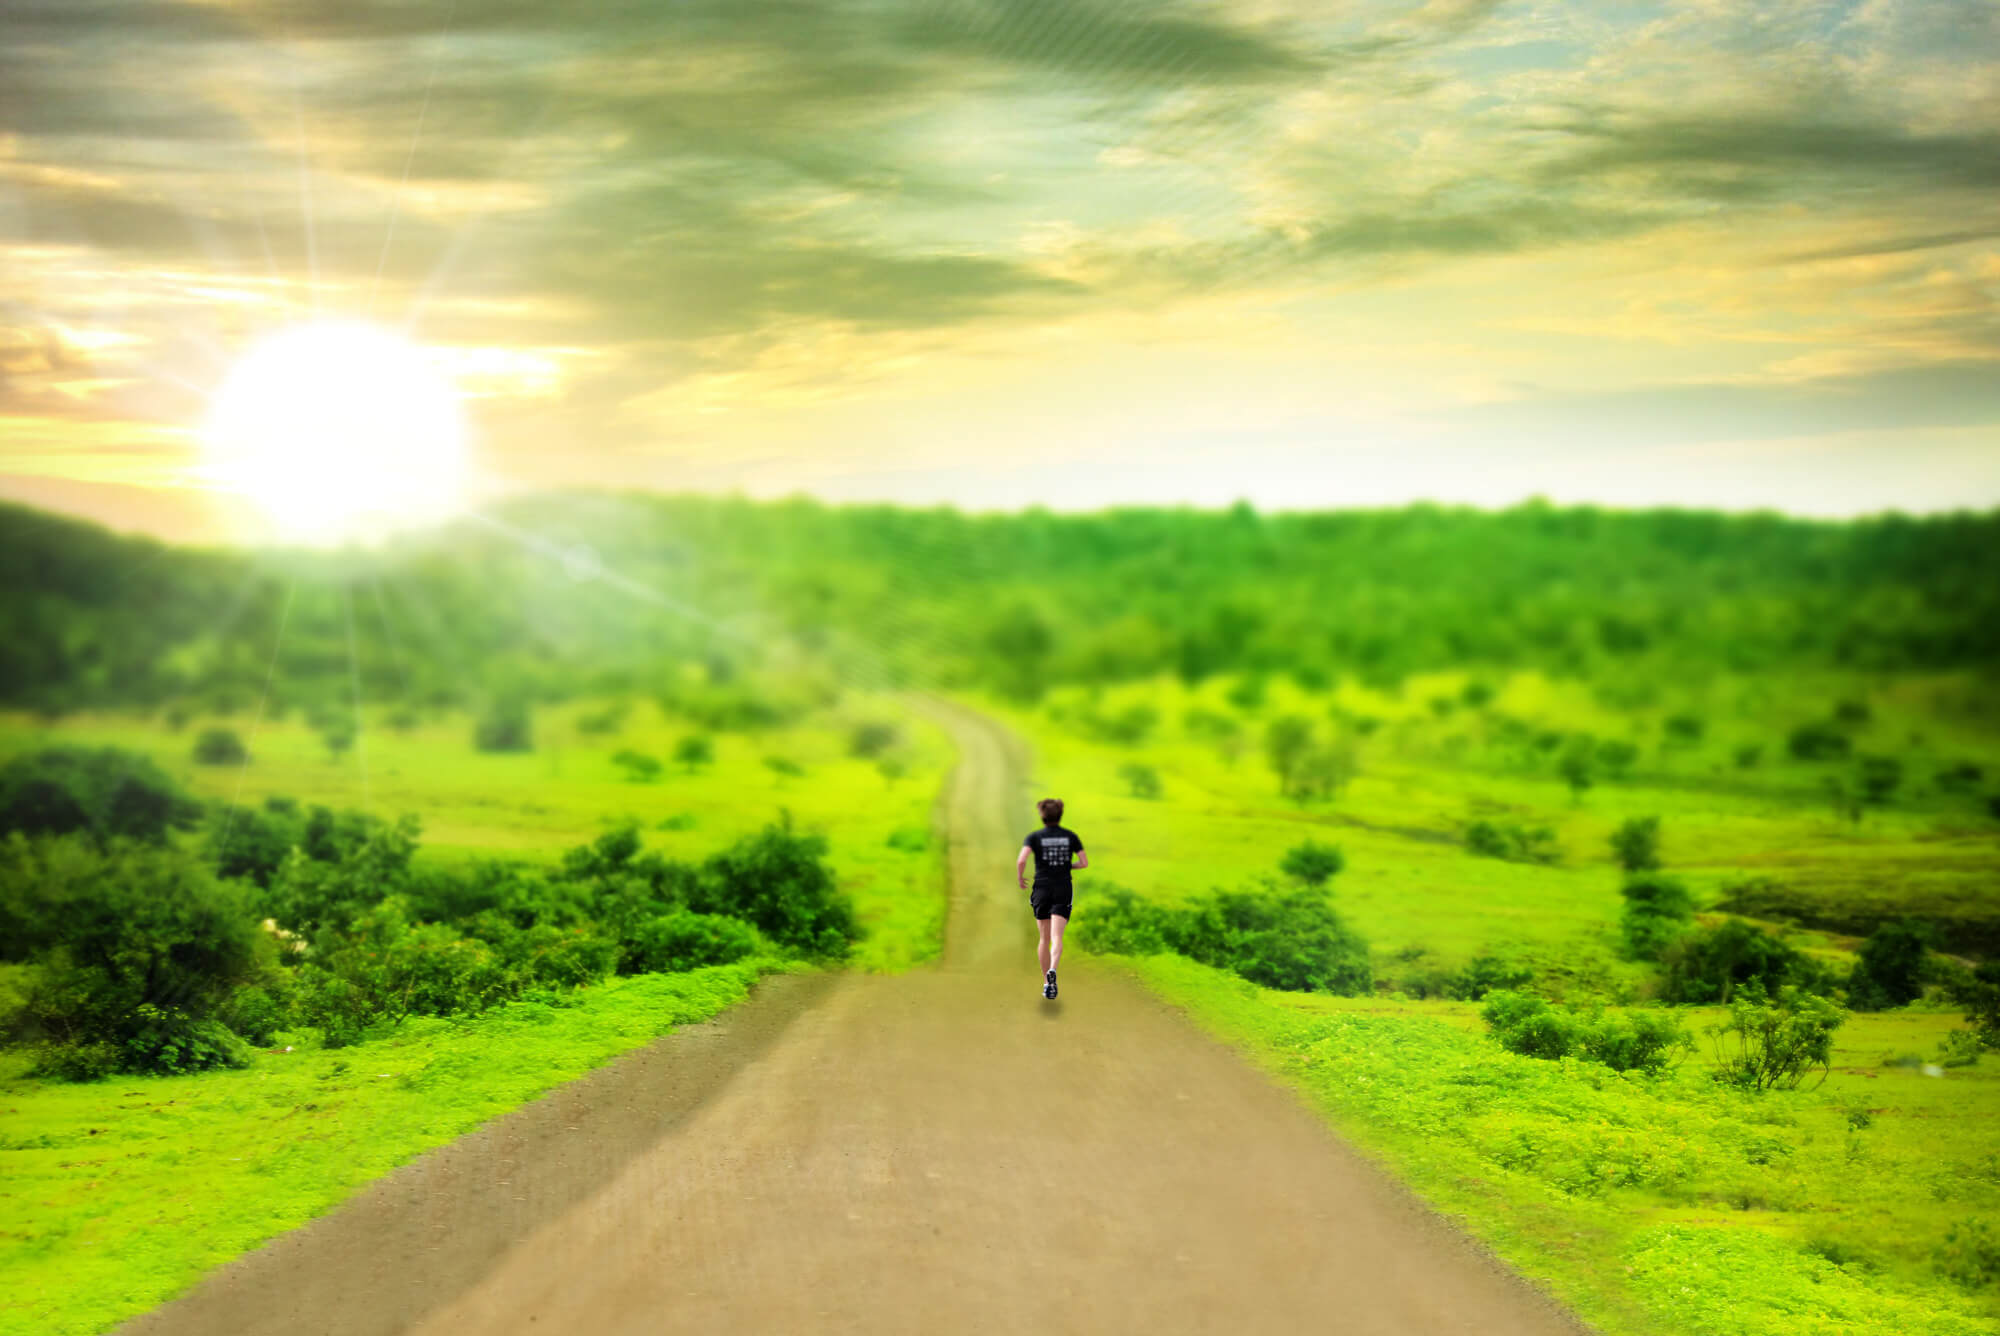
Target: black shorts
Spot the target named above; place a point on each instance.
(1049, 900)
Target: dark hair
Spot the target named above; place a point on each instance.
(1051, 810)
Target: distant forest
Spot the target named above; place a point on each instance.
(565, 594)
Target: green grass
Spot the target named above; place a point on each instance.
(118, 1195)
(1652, 1206)
(1656, 1207)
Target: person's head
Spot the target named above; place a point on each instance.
(1051, 810)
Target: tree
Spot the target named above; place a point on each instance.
(1891, 969)
(1286, 739)
(1313, 863)
(693, 752)
(1636, 844)
(1578, 766)
(220, 746)
(1658, 912)
(105, 791)
(1142, 780)
(505, 727)
(639, 768)
(1818, 741)
(338, 735)
(1773, 1042)
(1617, 757)
(1878, 779)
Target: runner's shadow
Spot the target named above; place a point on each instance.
(1052, 1010)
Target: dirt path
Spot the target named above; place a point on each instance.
(940, 1151)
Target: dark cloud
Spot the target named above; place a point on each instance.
(1775, 154)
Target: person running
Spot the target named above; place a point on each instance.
(1055, 851)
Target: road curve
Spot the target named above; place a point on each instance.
(938, 1151)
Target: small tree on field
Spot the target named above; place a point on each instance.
(1578, 766)
(1636, 844)
(220, 746)
(1287, 739)
(1684, 730)
(1891, 969)
(1142, 780)
(1774, 1043)
(505, 727)
(1617, 757)
(1313, 863)
(1320, 772)
(639, 768)
(693, 752)
(1877, 780)
(339, 736)
(1658, 912)
(1979, 993)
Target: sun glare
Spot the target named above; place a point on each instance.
(339, 430)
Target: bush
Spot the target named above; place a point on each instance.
(1128, 728)
(253, 842)
(1978, 991)
(872, 739)
(507, 726)
(1121, 923)
(685, 940)
(639, 768)
(220, 746)
(138, 948)
(1617, 757)
(1294, 941)
(1818, 741)
(776, 880)
(1313, 863)
(1877, 779)
(104, 791)
(1710, 965)
(1511, 842)
(693, 752)
(1644, 1041)
(1636, 844)
(1658, 912)
(1892, 967)
(1684, 729)
(1141, 780)
(1774, 1043)
(1748, 756)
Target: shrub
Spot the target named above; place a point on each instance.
(1970, 1254)
(104, 791)
(220, 746)
(693, 752)
(1658, 912)
(1286, 740)
(258, 1011)
(1891, 968)
(1636, 844)
(1578, 765)
(1294, 941)
(776, 880)
(1482, 975)
(1684, 729)
(1511, 842)
(1773, 1043)
(253, 842)
(1748, 756)
(507, 726)
(1978, 991)
(1709, 965)
(1313, 863)
(1476, 694)
(1141, 780)
(1852, 713)
(784, 767)
(610, 719)
(138, 947)
(639, 768)
(1617, 757)
(910, 839)
(1818, 741)
(1128, 728)
(685, 940)
(1120, 922)
(1319, 772)
(1959, 777)
(870, 740)
(1644, 1041)
(1878, 779)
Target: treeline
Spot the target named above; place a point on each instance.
(564, 594)
(160, 934)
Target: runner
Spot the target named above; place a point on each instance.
(1055, 851)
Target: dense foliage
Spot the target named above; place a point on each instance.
(147, 952)
(542, 601)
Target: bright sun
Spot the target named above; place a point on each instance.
(339, 430)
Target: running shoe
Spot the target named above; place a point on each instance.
(1049, 988)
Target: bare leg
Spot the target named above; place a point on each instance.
(1042, 947)
(1054, 933)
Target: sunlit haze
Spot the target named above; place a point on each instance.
(1009, 254)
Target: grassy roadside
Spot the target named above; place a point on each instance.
(118, 1195)
(1655, 1207)
(1664, 1207)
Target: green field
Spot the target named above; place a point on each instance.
(1869, 1203)
(118, 1194)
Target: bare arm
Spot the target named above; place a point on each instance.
(1082, 859)
(1021, 868)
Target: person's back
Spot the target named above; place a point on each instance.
(1056, 850)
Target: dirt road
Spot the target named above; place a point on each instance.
(941, 1151)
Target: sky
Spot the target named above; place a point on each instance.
(1002, 253)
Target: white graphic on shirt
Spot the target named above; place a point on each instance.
(1055, 850)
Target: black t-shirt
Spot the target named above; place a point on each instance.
(1052, 847)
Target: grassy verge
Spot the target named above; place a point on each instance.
(1655, 1207)
(119, 1195)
